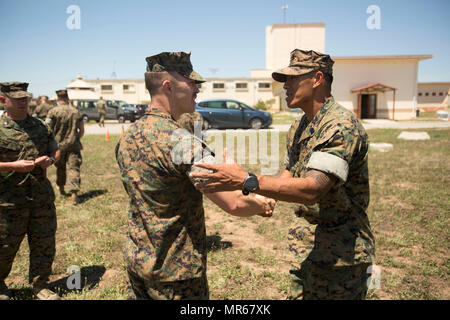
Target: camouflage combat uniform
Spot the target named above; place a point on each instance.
(101, 108)
(332, 240)
(65, 120)
(42, 110)
(166, 246)
(26, 199)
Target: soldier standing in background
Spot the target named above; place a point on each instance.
(42, 108)
(31, 105)
(27, 149)
(166, 239)
(67, 125)
(326, 173)
(101, 108)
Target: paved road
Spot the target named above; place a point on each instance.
(116, 128)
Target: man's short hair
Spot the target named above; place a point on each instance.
(328, 79)
(154, 80)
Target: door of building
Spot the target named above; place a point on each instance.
(368, 106)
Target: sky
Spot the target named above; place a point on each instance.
(226, 38)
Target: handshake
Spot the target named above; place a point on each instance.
(268, 205)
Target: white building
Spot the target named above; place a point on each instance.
(433, 96)
(370, 86)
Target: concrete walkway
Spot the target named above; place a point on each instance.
(116, 128)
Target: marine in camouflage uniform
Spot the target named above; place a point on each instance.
(166, 245)
(332, 239)
(67, 125)
(101, 108)
(166, 239)
(326, 173)
(27, 148)
(42, 109)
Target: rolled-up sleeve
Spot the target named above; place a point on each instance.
(335, 151)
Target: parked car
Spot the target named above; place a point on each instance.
(130, 112)
(227, 113)
(141, 108)
(116, 110)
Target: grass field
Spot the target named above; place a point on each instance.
(247, 258)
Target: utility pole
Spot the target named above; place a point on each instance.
(284, 8)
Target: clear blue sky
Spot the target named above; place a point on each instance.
(37, 47)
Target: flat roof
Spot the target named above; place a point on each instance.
(434, 83)
(289, 25)
(388, 57)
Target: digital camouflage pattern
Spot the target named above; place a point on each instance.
(336, 231)
(166, 224)
(181, 290)
(15, 90)
(313, 282)
(42, 110)
(26, 199)
(303, 62)
(65, 120)
(26, 139)
(39, 224)
(173, 61)
(62, 94)
(191, 121)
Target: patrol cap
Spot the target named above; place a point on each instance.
(173, 61)
(62, 94)
(15, 90)
(303, 62)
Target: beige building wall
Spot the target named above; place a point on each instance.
(246, 90)
(399, 72)
(281, 39)
(433, 96)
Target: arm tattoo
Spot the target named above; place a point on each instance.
(325, 181)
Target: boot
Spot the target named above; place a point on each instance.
(5, 293)
(75, 199)
(45, 294)
(62, 192)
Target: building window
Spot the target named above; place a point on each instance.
(241, 86)
(433, 94)
(219, 86)
(106, 88)
(129, 88)
(426, 94)
(264, 86)
(420, 94)
(441, 93)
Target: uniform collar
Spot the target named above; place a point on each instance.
(159, 113)
(312, 126)
(10, 123)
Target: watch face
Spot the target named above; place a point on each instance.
(252, 183)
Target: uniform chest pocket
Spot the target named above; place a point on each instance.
(10, 150)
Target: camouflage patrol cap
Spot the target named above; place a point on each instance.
(15, 90)
(62, 94)
(173, 61)
(303, 62)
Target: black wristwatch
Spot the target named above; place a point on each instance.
(52, 160)
(250, 184)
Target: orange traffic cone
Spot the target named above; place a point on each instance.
(107, 135)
